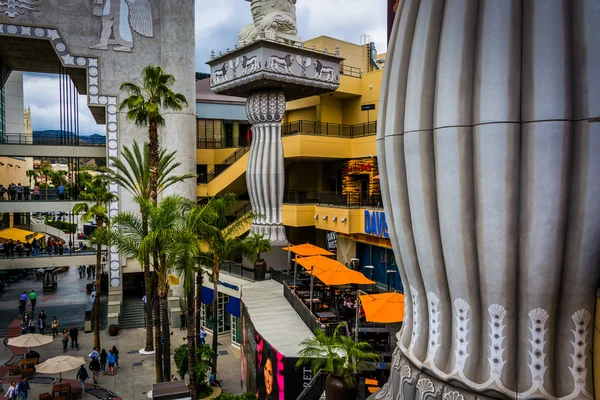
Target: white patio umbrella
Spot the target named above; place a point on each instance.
(59, 364)
(29, 340)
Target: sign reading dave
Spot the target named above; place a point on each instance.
(331, 240)
(375, 224)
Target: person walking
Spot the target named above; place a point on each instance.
(95, 368)
(54, 327)
(41, 324)
(182, 320)
(65, 340)
(89, 271)
(74, 333)
(12, 391)
(26, 192)
(36, 247)
(202, 336)
(24, 388)
(81, 270)
(31, 325)
(103, 356)
(116, 353)
(22, 304)
(33, 300)
(111, 359)
(94, 354)
(82, 375)
(19, 192)
(36, 191)
(61, 192)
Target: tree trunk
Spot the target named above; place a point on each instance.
(166, 331)
(153, 149)
(215, 314)
(199, 278)
(148, 286)
(158, 352)
(191, 336)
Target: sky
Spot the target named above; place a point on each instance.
(217, 26)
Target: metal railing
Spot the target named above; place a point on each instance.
(228, 162)
(46, 140)
(219, 143)
(52, 195)
(347, 200)
(301, 309)
(328, 129)
(351, 71)
(242, 271)
(315, 388)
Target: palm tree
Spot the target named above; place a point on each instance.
(46, 171)
(221, 242)
(144, 107)
(132, 172)
(96, 199)
(31, 174)
(128, 237)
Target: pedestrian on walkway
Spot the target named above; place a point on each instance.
(82, 375)
(36, 191)
(202, 336)
(116, 353)
(26, 318)
(74, 333)
(33, 300)
(24, 388)
(22, 303)
(54, 327)
(103, 356)
(41, 324)
(95, 368)
(61, 192)
(43, 315)
(31, 325)
(94, 354)
(182, 320)
(89, 271)
(12, 391)
(65, 340)
(111, 359)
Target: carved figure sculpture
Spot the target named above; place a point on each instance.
(249, 65)
(14, 8)
(324, 73)
(277, 18)
(119, 17)
(489, 157)
(278, 63)
(220, 75)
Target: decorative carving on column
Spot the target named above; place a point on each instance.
(489, 162)
(265, 176)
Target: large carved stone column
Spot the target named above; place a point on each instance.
(489, 160)
(265, 176)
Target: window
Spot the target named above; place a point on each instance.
(209, 133)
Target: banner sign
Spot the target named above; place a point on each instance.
(375, 224)
(331, 239)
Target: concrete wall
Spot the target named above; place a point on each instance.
(14, 103)
(12, 174)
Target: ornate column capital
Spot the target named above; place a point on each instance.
(266, 106)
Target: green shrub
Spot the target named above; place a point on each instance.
(245, 396)
(203, 364)
(62, 225)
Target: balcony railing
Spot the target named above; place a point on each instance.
(47, 140)
(327, 129)
(347, 200)
(219, 143)
(351, 71)
(219, 168)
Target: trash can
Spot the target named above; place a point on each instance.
(113, 330)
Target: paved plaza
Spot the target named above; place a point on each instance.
(134, 378)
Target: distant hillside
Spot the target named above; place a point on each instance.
(58, 137)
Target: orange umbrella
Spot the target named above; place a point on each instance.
(332, 272)
(307, 250)
(384, 308)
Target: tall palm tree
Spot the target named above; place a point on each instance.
(144, 106)
(31, 174)
(128, 237)
(96, 199)
(132, 172)
(220, 241)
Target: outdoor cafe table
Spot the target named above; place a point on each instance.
(303, 292)
(61, 388)
(326, 314)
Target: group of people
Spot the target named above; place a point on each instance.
(20, 192)
(90, 270)
(98, 363)
(35, 248)
(15, 390)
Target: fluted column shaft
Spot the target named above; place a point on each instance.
(265, 176)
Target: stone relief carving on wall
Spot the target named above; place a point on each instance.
(249, 65)
(119, 19)
(277, 18)
(277, 64)
(14, 8)
(325, 73)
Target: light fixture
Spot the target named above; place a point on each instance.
(334, 219)
(324, 217)
(316, 216)
(10, 165)
(343, 221)
(18, 166)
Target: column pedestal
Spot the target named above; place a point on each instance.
(265, 176)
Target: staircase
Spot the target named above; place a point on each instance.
(219, 168)
(133, 315)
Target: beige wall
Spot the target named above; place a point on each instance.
(13, 174)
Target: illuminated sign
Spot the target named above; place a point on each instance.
(225, 284)
(375, 224)
(359, 168)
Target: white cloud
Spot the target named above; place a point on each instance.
(41, 93)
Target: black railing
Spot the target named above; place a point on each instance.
(242, 271)
(348, 200)
(315, 388)
(301, 309)
(220, 143)
(327, 129)
(228, 162)
(351, 71)
(50, 140)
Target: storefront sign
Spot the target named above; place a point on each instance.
(225, 284)
(360, 168)
(375, 224)
(331, 240)
(367, 107)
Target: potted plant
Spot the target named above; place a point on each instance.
(256, 244)
(341, 357)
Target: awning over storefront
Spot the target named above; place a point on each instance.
(207, 295)
(19, 235)
(234, 307)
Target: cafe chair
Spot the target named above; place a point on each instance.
(75, 392)
(45, 396)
